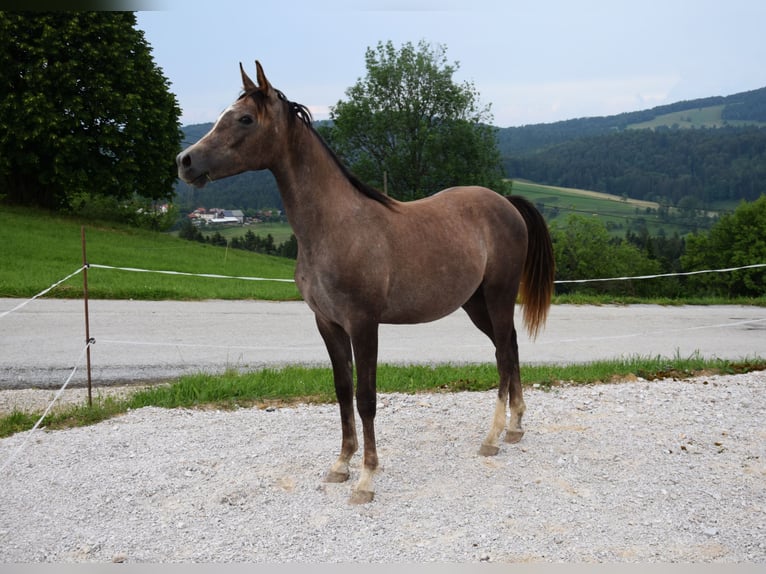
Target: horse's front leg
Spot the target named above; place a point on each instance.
(365, 344)
(338, 346)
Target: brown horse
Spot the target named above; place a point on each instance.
(365, 258)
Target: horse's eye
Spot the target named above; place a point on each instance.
(246, 120)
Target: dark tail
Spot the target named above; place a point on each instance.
(536, 287)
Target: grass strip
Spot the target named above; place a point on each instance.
(295, 384)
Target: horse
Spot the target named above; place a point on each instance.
(365, 258)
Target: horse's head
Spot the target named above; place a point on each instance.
(245, 137)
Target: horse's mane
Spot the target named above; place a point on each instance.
(303, 114)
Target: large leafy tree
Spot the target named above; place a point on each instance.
(738, 239)
(84, 110)
(410, 125)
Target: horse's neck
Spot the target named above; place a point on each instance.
(315, 192)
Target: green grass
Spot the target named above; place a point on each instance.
(296, 384)
(39, 249)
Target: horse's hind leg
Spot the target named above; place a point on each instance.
(515, 395)
(500, 329)
(507, 355)
(508, 393)
(338, 346)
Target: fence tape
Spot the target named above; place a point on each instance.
(24, 443)
(279, 280)
(627, 278)
(209, 275)
(41, 293)
(756, 265)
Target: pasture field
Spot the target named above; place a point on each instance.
(616, 212)
(39, 249)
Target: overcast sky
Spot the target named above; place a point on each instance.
(533, 61)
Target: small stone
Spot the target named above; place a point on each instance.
(710, 531)
(119, 558)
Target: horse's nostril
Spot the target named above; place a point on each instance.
(186, 160)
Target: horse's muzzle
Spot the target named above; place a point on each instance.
(188, 172)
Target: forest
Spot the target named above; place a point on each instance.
(704, 167)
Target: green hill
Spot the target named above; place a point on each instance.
(40, 249)
(702, 154)
(744, 108)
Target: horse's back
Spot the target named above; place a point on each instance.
(475, 209)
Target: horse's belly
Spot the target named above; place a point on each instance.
(425, 305)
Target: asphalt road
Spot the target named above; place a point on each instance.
(139, 341)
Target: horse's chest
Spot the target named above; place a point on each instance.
(336, 291)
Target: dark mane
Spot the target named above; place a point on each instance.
(302, 113)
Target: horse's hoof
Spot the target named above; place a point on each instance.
(361, 497)
(489, 450)
(513, 436)
(334, 476)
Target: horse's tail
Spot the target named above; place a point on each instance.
(536, 287)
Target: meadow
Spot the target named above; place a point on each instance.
(615, 212)
(39, 249)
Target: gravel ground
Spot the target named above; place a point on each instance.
(660, 471)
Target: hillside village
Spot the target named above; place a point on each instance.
(217, 216)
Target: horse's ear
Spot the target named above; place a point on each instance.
(263, 83)
(247, 84)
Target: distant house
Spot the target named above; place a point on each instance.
(217, 216)
(234, 213)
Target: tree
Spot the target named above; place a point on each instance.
(84, 111)
(408, 124)
(583, 249)
(736, 240)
